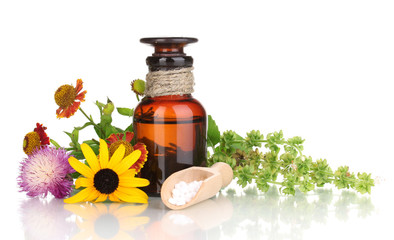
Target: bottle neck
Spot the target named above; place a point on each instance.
(166, 63)
(178, 81)
(170, 69)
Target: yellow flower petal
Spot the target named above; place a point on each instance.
(133, 182)
(80, 167)
(133, 191)
(129, 173)
(91, 157)
(101, 198)
(116, 157)
(104, 155)
(127, 162)
(79, 197)
(83, 182)
(128, 198)
(113, 198)
(93, 195)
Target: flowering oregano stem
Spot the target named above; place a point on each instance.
(281, 162)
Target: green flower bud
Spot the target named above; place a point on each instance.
(138, 87)
(108, 108)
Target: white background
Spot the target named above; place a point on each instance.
(321, 70)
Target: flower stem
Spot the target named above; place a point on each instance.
(92, 122)
(90, 119)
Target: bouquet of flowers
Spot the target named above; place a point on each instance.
(108, 167)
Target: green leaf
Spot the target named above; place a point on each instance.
(306, 186)
(125, 111)
(262, 180)
(99, 131)
(75, 175)
(321, 172)
(100, 107)
(263, 186)
(244, 175)
(85, 125)
(364, 183)
(130, 128)
(75, 136)
(213, 134)
(68, 134)
(110, 130)
(55, 143)
(253, 139)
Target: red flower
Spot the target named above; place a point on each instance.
(69, 99)
(35, 139)
(116, 139)
(40, 129)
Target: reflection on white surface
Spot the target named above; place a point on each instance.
(251, 215)
(108, 221)
(275, 216)
(45, 220)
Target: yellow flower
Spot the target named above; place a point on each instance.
(108, 178)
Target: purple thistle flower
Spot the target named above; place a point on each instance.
(46, 170)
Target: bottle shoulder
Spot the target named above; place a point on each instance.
(169, 107)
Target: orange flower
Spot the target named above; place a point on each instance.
(35, 139)
(68, 99)
(115, 140)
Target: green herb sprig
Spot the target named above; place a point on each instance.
(103, 129)
(282, 164)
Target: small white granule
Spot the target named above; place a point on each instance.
(184, 192)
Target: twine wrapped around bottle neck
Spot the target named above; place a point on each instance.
(172, 82)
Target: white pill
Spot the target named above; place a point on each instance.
(184, 192)
(172, 201)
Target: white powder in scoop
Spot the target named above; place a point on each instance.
(184, 192)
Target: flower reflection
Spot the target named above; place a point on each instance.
(45, 219)
(108, 221)
(229, 215)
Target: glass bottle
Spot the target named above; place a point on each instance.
(173, 127)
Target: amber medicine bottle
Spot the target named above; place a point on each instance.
(170, 122)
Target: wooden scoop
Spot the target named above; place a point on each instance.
(214, 178)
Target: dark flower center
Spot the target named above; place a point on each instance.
(106, 181)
